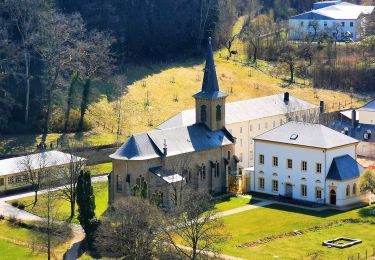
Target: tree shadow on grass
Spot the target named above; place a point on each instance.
(315, 213)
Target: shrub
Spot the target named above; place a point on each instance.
(21, 206)
(15, 204)
(1, 217)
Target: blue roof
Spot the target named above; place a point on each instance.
(344, 168)
(210, 86)
(186, 139)
(358, 132)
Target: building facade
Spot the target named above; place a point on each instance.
(336, 19)
(307, 162)
(157, 164)
(249, 118)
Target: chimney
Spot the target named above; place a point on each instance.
(165, 149)
(321, 107)
(286, 98)
(354, 118)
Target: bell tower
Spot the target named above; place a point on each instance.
(210, 101)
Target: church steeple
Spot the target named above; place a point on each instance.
(210, 101)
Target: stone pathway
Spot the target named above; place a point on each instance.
(242, 209)
(214, 255)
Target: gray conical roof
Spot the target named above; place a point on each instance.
(210, 86)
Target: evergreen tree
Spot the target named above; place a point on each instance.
(86, 205)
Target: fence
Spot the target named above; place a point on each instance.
(364, 255)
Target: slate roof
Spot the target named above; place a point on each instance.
(167, 175)
(368, 107)
(245, 110)
(344, 168)
(306, 134)
(210, 85)
(357, 132)
(340, 11)
(179, 140)
(35, 161)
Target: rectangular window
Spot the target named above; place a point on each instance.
(325, 23)
(241, 142)
(318, 193)
(318, 168)
(261, 183)
(261, 159)
(274, 124)
(217, 169)
(351, 24)
(304, 190)
(281, 121)
(18, 179)
(1, 181)
(266, 125)
(258, 126)
(11, 180)
(240, 130)
(342, 24)
(251, 155)
(275, 161)
(275, 186)
(241, 157)
(303, 166)
(301, 23)
(251, 128)
(119, 183)
(289, 163)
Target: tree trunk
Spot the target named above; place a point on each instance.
(84, 103)
(49, 108)
(27, 73)
(255, 54)
(70, 100)
(72, 208)
(291, 73)
(194, 255)
(35, 197)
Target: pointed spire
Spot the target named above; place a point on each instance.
(210, 86)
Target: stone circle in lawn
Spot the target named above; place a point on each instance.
(341, 242)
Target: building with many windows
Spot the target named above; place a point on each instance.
(340, 20)
(248, 118)
(308, 162)
(200, 155)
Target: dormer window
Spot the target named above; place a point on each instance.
(218, 113)
(203, 113)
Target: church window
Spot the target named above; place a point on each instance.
(354, 189)
(204, 113)
(203, 172)
(119, 183)
(228, 155)
(348, 191)
(304, 190)
(128, 178)
(318, 193)
(217, 169)
(218, 113)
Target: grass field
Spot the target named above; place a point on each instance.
(100, 168)
(261, 223)
(101, 201)
(233, 202)
(22, 243)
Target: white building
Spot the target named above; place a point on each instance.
(307, 162)
(248, 118)
(341, 20)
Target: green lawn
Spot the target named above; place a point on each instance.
(101, 200)
(100, 168)
(275, 219)
(233, 202)
(10, 251)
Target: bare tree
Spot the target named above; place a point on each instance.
(255, 30)
(55, 45)
(229, 44)
(94, 61)
(130, 230)
(23, 16)
(194, 224)
(36, 170)
(288, 55)
(69, 175)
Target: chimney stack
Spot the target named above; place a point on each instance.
(354, 118)
(165, 149)
(321, 107)
(286, 98)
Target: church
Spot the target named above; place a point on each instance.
(158, 163)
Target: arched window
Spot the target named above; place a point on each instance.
(354, 189)
(203, 113)
(348, 191)
(218, 113)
